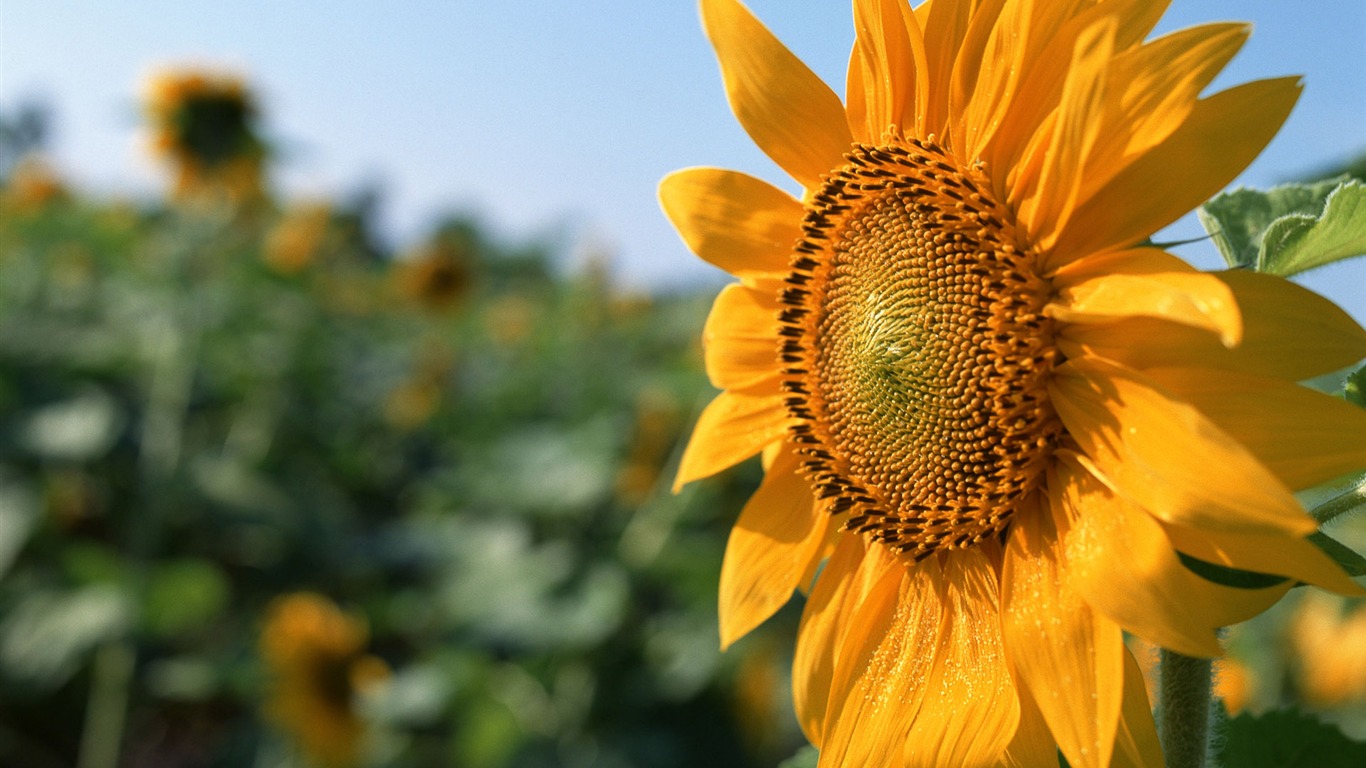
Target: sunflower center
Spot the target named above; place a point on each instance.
(918, 351)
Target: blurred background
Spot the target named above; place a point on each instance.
(345, 358)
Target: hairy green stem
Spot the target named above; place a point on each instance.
(1184, 709)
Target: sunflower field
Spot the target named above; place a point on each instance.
(275, 496)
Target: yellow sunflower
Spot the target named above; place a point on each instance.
(318, 664)
(991, 412)
(203, 124)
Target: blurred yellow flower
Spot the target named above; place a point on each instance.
(436, 277)
(297, 238)
(990, 410)
(318, 666)
(1328, 636)
(32, 186)
(202, 124)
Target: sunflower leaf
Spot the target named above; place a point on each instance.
(1228, 577)
(1300, 242)
(1239, 220)
(1286, 738)
(1351, 562)
(1355, 389)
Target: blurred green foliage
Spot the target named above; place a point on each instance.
(202, 409)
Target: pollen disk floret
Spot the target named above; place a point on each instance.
(917, 351)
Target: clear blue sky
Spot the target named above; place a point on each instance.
(546, 115)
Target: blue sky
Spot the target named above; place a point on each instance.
(546, 116)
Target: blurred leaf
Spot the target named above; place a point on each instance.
(1355, 390)
(1241, 223)
(18, 514)
(414, 696)
(182, 678)
(184, 595)
(82, 428)
(806, 757)
(48, 634)
(488, 735)
(1286, 739)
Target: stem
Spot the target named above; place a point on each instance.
(104, 716)
(1340, 504)
(1183, 709)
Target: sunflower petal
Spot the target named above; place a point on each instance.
(1075, 131)
(1033, 745)
(1122, 563)
(832, 601)
(768, 549)
(891, 57)
(736, 222)
(738, 341)
(1222, 134)
(1156, 451)
(1189, 298)
(1304, 437)
(1069, 656)
(1160, 83)
(927, 682)
(794, 117)
(734, 427)
(1289, 332)
(946, 24)
(1275, 554)
(1136, 743)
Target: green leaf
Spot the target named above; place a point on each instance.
(1238, 220)
(1229, 577)
(184, 595)
(1355, 389)
(806, 757)
(1300, 242)
(1351, 562)
(1287, 739)
(1291, 228)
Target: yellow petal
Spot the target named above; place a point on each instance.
(1187, 297)
(925, 683)
(1275, 554)
(768, 549)
(794, 117)
(838, 592)
(1070, 657)
(1004, 57)
(1159, 452)
(1304, 437)
(740, 339)
(734, 427)
(1120, 560)
(1033, 745)
(1159, 83)
(1288, 332)
(890, 56)
(1075, 130)
(946, 23)
(1136, 743)
(736, 222)
(1222, 134)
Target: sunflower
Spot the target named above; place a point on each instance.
(203, 124)
(991, 416)
(318, 665)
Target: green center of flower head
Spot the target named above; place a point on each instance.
(918, 351)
